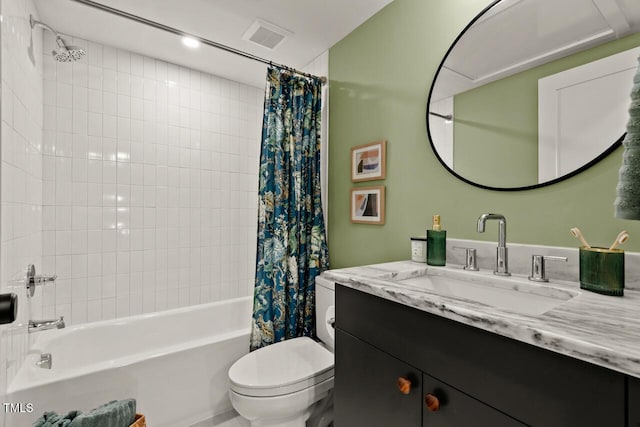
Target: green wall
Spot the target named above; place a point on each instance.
(380, 79)
(497, 144)
(496, 125)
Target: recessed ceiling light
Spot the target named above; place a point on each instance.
(190, 42)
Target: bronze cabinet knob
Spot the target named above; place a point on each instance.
(432, 402)
(404, 385)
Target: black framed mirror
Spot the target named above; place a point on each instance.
(533, 92)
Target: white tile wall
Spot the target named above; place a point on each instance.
(150, 185)
(20, 171)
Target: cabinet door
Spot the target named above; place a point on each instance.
(633, 403)
(444, 406)
(366, 387)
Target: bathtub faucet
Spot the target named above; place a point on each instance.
(43, 325)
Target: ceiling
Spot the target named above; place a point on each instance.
(315, 27)
(516, 35)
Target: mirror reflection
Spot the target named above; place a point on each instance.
(535, 90)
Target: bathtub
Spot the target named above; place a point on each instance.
(173, 362)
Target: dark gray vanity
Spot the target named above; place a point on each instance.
(400, 363)
(480, 378)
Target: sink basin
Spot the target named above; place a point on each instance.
(517, 295)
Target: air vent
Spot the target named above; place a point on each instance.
(266, 34)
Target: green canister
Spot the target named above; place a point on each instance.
(602, 270)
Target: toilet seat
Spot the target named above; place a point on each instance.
(282, 368)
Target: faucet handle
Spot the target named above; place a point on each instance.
(32, 279)
(471, 262)
(538, 273)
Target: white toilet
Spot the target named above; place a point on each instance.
(290, 383)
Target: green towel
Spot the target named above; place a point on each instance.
(51, 419)
(113, 414)
(117, 413)
(627, 203)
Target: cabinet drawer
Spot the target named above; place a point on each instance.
(533, 385)
(456, 409)
(366, 387)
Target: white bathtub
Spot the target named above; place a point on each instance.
(174, 363)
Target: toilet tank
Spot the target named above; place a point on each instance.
(325, 311)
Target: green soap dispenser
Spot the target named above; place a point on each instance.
(436, 244)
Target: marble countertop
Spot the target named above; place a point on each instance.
(603, 330)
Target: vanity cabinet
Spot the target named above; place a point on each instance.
(479, 378)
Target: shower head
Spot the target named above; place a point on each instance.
(63, 52)
(66, 53)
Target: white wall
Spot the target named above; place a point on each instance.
(21, 172)
(581, 111)
(150, 185)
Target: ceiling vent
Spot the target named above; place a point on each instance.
(266, 34)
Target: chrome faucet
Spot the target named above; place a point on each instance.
(43, 325)
(502, 263)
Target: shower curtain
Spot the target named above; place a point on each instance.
(292, 247)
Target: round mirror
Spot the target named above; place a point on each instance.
(534, 91)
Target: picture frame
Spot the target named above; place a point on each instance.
(368, 161)
(367, 205)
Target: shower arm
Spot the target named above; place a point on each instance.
(35, 23)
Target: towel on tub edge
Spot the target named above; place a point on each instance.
(117, 413)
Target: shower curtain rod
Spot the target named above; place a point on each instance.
(175, 31)
(442, 116)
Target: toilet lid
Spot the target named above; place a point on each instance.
(281, 368)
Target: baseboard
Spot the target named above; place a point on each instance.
(217, 420)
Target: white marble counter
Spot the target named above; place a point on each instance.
(599, 329)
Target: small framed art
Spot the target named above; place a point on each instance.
(368, 161)
(367, 205)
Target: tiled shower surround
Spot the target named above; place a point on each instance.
(149, 185)
(21, 170)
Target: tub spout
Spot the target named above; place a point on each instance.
(43, 325)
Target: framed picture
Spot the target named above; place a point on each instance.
(368, 161)
(367, 205)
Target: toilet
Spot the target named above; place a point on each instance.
(290, 383)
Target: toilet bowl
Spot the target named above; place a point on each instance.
(280, 385)
(290, 383)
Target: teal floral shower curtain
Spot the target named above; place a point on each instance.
(292, 248)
